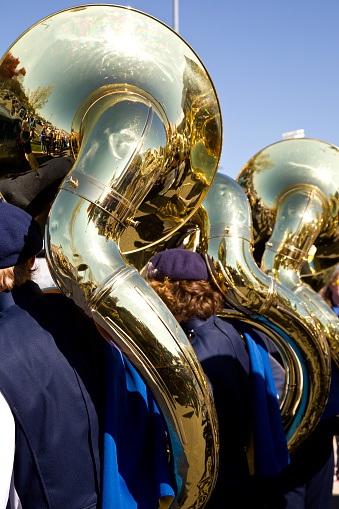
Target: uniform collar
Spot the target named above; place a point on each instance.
(196, 322)
(6, 300)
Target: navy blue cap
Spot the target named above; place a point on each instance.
(177, 264)
(20, 235)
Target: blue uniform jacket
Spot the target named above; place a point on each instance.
(51, 374)
(224, 358)
(246, 402)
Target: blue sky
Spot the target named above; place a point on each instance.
(274, 64)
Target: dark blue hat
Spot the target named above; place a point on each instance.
(20, 235)
(177, 264)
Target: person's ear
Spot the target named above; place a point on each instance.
(32, 261)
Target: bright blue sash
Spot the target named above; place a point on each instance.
(135, 463)
(270, 447)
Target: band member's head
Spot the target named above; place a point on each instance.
(181, 278)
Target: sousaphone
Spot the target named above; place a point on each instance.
(143, 121)
(293, 189)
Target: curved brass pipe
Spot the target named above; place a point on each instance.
(295, 185)
(144, 124)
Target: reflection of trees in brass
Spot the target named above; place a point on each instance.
(75, 273)
(61, 261)
(199, 104)
(256, 165)
(15, 86)
(8, 67)
(263, 219)
(38, 98)
(74, 144)
(259, 163)
(105, 222)
(11, 78)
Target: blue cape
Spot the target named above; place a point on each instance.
(270, 447)
(135, 461)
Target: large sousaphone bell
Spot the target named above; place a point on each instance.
(144, 123)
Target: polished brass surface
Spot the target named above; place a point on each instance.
(293, 188)
(228, 242)
(221, 228)
(145, 129)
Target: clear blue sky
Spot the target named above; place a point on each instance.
(274, 64)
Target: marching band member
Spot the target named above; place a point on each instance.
(63, 443)
(239, 372)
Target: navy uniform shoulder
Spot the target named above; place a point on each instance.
(221, 328)
(227, 328)
(55, 313)
(62, 311)
(214, 326)
(259, 337)
(215, 336)
(38, 304)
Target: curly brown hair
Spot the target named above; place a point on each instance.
(187, 298)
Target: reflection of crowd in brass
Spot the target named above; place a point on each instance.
(25, 134)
